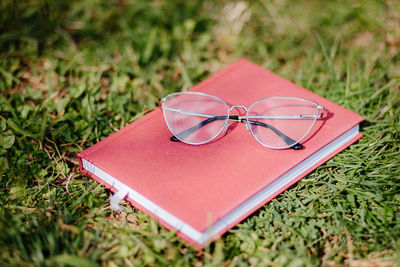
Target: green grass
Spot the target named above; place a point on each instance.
(73, 72)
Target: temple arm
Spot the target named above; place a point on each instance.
(191, 130)
(239, 118)
(212, 118)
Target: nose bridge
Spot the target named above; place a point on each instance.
(237, 106)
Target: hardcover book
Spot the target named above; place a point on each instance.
(203, 191)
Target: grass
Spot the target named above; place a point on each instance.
(73, 72)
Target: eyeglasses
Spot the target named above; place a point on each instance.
(276, 122)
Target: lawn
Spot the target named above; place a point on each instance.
(74, 72)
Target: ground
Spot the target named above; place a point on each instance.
(73, 72)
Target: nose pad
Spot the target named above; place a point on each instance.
(226, 126)
(247, 125)
(252, 128)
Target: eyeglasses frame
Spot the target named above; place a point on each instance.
(243, 118)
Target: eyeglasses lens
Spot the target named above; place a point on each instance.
(195, 118)
(280, 122)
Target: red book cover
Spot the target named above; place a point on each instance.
(203, 191)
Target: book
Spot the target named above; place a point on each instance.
(203, 191)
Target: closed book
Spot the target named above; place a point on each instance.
(203, 191)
